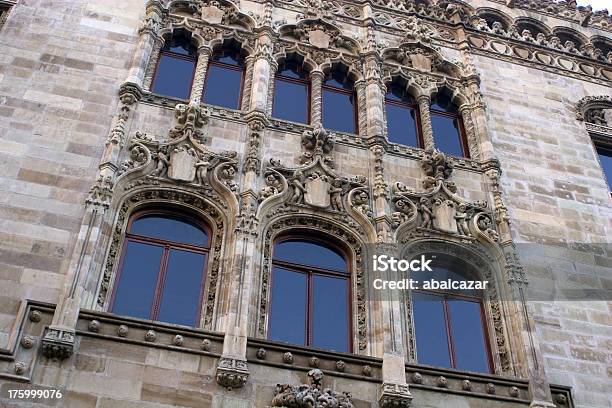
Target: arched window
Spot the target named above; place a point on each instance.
(162, 268)
(450, 326)
(291, 93)
(175, 67)
(491, 17)
(339, 102)
(224, 79)
(310, 295)
(447, 127)
(403, 122)
(534, 27)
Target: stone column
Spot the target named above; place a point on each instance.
(146, 43)
(248, 83)
(374, 99)
(316, 81)
(425, 116)
(197, 87)
(58, 338)
(360, 91)
(263, 71)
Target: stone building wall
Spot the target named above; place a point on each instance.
(73, 100)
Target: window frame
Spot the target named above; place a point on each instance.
(419, 128)
(445, 296)
(602, 143)
(193, 58)
(462, 135)
(240, 68)
(311, 271)
(167, 245)
(299, 81)
(350, 93)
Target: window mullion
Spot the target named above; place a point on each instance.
(199, 77)
(309, 311)
(426, 126)
(161, 277)
(449, 333)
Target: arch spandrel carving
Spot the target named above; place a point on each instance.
(320, 34)
(222, 12)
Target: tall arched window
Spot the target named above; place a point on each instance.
(224, 79)
(450, 326)
(310, 296)
(161, 276)
(447, 127)
(403, 123)
(339, 102)
(175, 67)
(291, 93)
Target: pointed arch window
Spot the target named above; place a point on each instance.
(447, 126)
(291, 93)
(225, 79)
(339, 102)
(162, 268)
(310, 294)
(175, 67)
(403, 121)
(450, 326)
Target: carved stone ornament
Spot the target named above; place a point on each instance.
(320, 34)
(394, 395)
(58, 343)
(222, 12)
(591, 109)
(232, 373)
(310, 395)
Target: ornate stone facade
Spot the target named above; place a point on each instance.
(87, 144)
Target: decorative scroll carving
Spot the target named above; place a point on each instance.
(311, 395)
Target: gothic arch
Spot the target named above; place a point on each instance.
(303, 222)
(568, 34)
(590, 108)
(533, 25)
(491, 15)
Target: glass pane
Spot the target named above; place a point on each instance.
(138, 279)
(173, 77)
(290, 101)
(338, 111)
(169, 228)
(228, 58)
(401, 125)
(605, 158)
(446, 134)
(309, 253)
(441, 273)
(430, 330)
(330, 322)
(180, 300)
(468, 335)
(223, 86)
(288, 309)
(292, 71)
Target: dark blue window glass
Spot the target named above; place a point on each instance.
(338, 106)
(430, 330)
(291, 95)
(162, 272)
(309, 253)
(330, 313)
(605, 158)
(289, 306)
(138, 279)
(402, 124)
(175, 68)
(174, 76)
(447, 134)
(169, 228)
(468, 335)
(180, 300)
(310, 296)
(224, 81)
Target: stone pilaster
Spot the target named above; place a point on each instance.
(197, 87)
(148, 41)
(424, 102)
(316, 82)
(374, 95)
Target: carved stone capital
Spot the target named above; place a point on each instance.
(232, 373)
(394, 395)
(58, 343)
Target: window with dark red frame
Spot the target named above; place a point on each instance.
(450, 327)
(447, 126)
(224, 79)
(310, 295)
(339, 103)
(175, 68)
(291, 94)
(403, 121)
(162, 270)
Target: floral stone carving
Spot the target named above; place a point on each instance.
(58, 343)
(311, 395)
